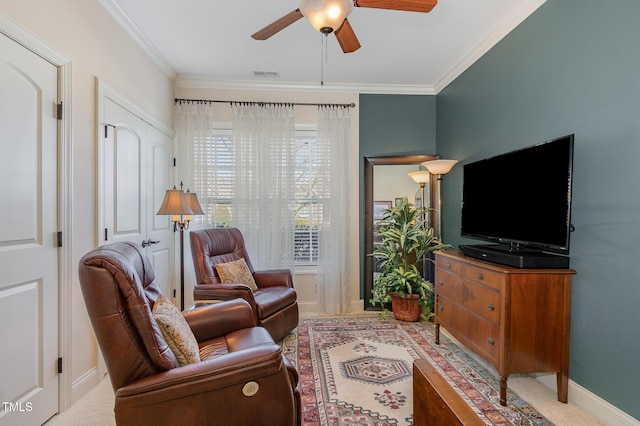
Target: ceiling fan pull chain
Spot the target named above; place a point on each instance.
(326, 50)
(323, 44)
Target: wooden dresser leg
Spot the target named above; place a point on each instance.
(503, 391)
(437, 334)
(562, 382)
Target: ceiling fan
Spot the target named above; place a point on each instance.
(329, 16)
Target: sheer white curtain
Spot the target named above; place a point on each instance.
(333, 129)
(264, 143)
(193, 121)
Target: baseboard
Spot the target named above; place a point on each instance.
(307, 307)
(355, 307)
(84, 384)
(605, 411)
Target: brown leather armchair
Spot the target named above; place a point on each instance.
(273, 303)
(242, 378)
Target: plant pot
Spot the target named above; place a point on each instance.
(405, 308)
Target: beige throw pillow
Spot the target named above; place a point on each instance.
(236, 271)
(176, 331)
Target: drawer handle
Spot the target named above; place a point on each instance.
(440, 282)
(448, 266)
(491, 341)
(441, 308)
(480, 276)
(491, 307)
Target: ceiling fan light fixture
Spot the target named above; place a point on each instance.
(326, 15)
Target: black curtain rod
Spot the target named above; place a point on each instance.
(351, 105)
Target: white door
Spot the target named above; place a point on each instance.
(28, 243)
(137, 167)
(159, 231)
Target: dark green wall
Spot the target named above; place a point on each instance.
(393, 125)
(572, 67)
(397, 125)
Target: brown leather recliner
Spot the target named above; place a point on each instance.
(237, 357)
(273, 303)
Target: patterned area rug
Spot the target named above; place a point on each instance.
(358, 371)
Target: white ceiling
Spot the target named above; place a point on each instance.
(208, 43)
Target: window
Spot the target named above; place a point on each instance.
(213, 178)
(214, 165)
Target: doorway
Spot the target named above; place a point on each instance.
(135, 158)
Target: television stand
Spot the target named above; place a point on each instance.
(518, 320)
(523, 259)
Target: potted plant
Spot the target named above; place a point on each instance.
(407, 238)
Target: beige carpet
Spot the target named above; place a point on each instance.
(546, 402)
(96, 408)
(93, 409)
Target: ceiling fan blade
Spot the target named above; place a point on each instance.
(408, 5)
(347, 38)
(278, 25)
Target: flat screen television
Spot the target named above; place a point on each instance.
(521, 199)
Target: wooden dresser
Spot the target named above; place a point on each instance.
(516, 319)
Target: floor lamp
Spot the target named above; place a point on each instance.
(180, 206)
(439, 168)
(422, 177)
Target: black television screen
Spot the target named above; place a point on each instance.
(522, 198)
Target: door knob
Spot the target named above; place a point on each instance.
(148, 242)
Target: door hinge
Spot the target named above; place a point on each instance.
(59, 111)
(59, 237)
(106, 234)
(174, 293)
(59, 365)
(174, 161)
(106, 129)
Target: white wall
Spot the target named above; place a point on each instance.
(85, 33)
(304, 279)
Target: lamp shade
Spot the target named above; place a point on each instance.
(326, 15)
(440, 167)
(175, 203)
(420, 177)
(192, 200)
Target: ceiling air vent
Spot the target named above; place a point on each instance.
(266, 74)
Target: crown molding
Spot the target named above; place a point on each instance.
(500, 32)
(138, 36)
(197, 82)
(200, 82)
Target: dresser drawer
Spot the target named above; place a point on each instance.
(481, 300)
(448, 265)
(449, 285)
(484, 276)
(479, 335)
